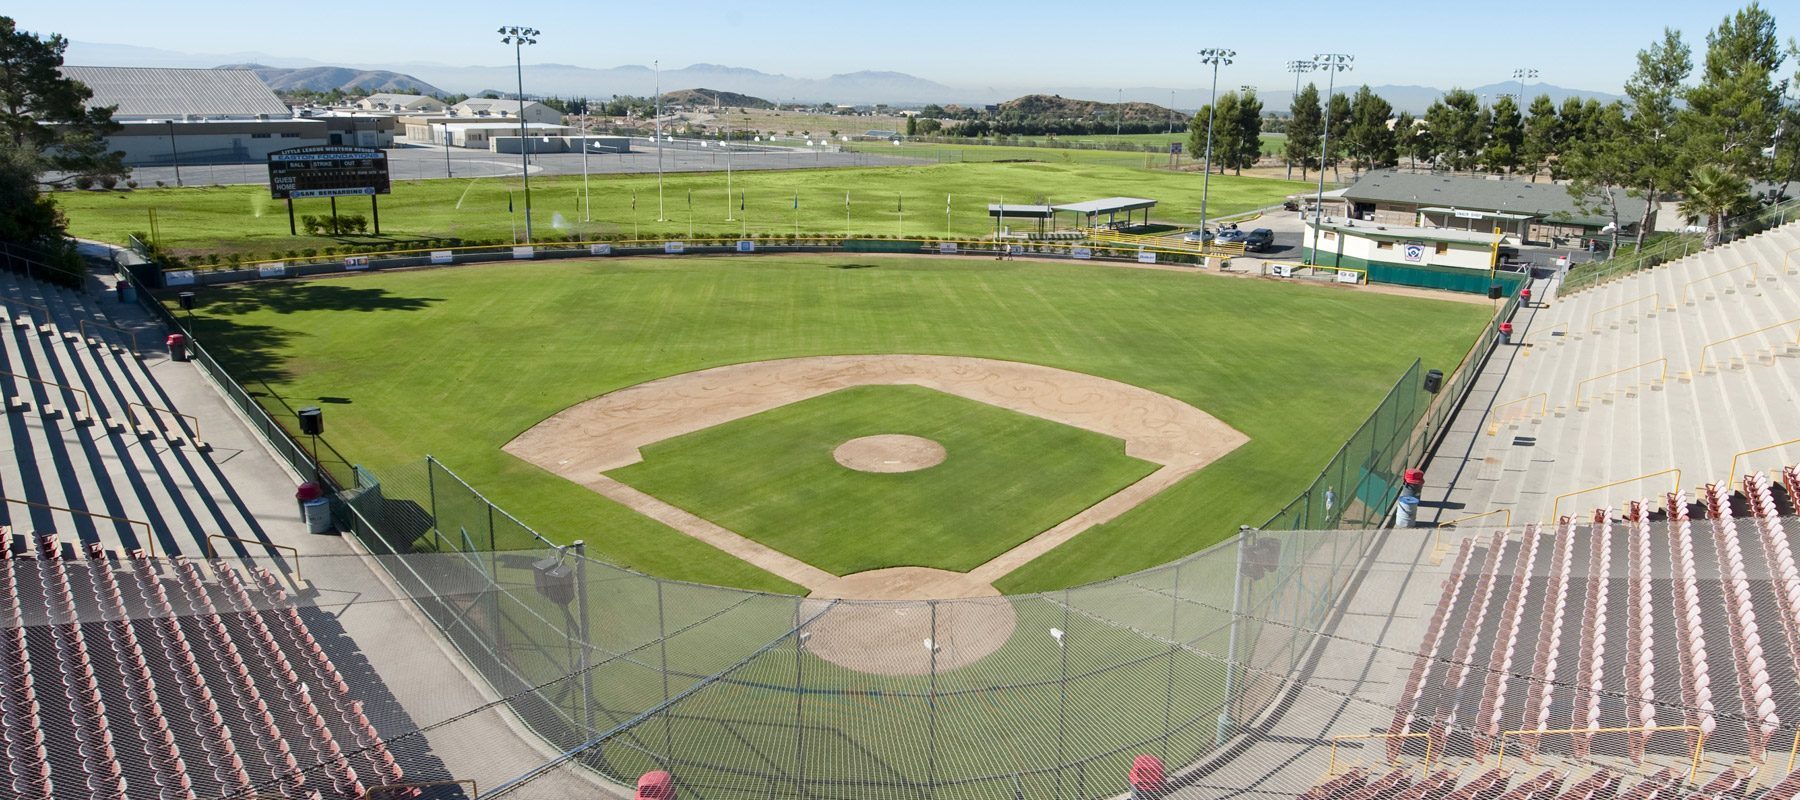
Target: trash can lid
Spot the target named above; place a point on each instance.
(1506, 327)
(176, 338)
(1147, 772)
(1414, 475)
(308, 491)
(656, 785)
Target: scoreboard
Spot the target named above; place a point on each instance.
(327, 171)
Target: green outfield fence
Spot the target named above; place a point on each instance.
(749, 696)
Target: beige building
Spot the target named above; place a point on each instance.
(484, 108)
(402, 104)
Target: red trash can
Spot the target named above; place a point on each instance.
(1147, 777)
(655, 785)
(1506, 333)
(177, 343)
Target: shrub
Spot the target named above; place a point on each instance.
(131, 184)
(84, 182)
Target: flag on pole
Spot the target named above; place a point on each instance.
(899, 201)
(846, 201)
(946, 204)
(740, 201)
(509, 208)
(690, 198)
(796, 202)
(634, 201)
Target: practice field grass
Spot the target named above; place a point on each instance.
(1006, 477)
(885, 201)
(456, 362)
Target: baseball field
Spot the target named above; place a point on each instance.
(1046, 387)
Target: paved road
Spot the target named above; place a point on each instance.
(418, 162)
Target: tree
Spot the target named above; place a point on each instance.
(1337, 117)
(1506, 137)
(1372, 144)
(912, 126)
(1600, 168)
(45, 126)
(1304, 127)
(1407, 133)
(1731, 114)
(1224, 137)
(1714, 193)
(1246, 132)
(1458, 129)
(1654, 146)
(1541, 133)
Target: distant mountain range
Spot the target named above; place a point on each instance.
(864, 87)
(324, 79)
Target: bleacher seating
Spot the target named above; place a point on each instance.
(147, 691)
(1561, 423)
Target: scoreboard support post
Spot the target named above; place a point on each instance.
(375, 211)
(334, 217)
(291, 230)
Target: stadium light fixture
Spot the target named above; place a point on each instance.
(1521, 75)
(518, 37)
(1332, 63)
(1298, 67)
(1215, 57)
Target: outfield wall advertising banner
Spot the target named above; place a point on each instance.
(180, 277)
(1146, 257)
(356, 262)
(1082, 252)
(442, 257)
(746, 246)
(946, 248)
(1347, 276)
(1282, 270)
(599, 249)
(524, 251)
(275, 270)
(674, 248)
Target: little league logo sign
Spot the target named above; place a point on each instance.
(1413, 252)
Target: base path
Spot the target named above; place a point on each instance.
(584, 441)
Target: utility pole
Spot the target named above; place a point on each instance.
(659, 160)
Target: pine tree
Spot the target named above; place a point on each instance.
(1372, 143)
(1731, 114)
(1458, 129)
(1655, 146)
(1304, 129)
(1338, 117)
(1600, 167)
(1247, 132)
(1406, 137)
(1506, 137)
(1541, 135)
(45, 126)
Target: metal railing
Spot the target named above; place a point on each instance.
(1654, 297)
(149, 534)
(1687, 289)
(1556, 505)
(1731, 472)
(1661, 378)
(1701, 369)
(83, 403)
(1597, 273)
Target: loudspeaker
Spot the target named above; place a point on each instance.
(1434, 380)
(312, 421)
(187, 301)
(554, 581)
(1494, 292)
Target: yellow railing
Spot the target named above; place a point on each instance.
(1439, 546)
(1787, 259)
(1766, 329)
(1731, 473)
(1170, 244)
(149, 535)
(34, 306)
(129, 335)
(1687, 289)
(1550, 332)
(1693, 758)
(155, 422)
(1331, 765)
(386, 789)
(1543, 399)
(1556, 505)
(213, 554)
(1661, 378)
(82, 405)
(1656, 297)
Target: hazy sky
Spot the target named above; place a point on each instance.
(1586, 44)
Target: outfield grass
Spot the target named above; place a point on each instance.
(456, 362)
(885, 201)
(1006, 477)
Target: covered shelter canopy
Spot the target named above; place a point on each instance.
(1091, 210)
(1021, 211)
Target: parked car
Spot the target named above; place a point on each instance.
(1230, 235)
(1196, 237)
(1259, 240)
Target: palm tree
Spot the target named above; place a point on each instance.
(1714, 193)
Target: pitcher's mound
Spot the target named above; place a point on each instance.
(889, 452)
(867, 631)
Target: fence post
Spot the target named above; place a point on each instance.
(1174, 647)
(662, 645)
(931, 708)
(587, 638)
(799, 698)
(1237, 593)
(431, 488)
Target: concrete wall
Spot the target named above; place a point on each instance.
(560, 144)
(212, 143)
(1356, 249)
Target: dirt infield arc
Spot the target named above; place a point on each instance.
(586, 440)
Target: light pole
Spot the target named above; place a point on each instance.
(1520, 75)
(174, 153)
(518, 37)
(1119, 114)
(1332, 63)
(659, 161)
(1171, 112)
(587, 203)
(1298, 67)
(1214, 56)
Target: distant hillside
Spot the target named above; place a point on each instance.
(714, 97)
(1056, 107)
(324, 79)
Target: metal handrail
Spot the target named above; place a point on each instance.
(1331, 765)
(395, 788)
(149, 533)
(1688, 288)
(1556, 505)
(1506, 511)
(1660, 378)
(1732, 471)
(131, 335)
(1693, 761)
(212, 554)
(1543, 408)
(83, 405)
(1656, 296)
(31, 305)
(1765, 329)
(1596, 273)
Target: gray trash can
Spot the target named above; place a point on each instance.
(318, 515)
(1406, 511)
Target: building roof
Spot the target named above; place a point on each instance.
(1108, 205)
(1020, 210)
(399, 100)
(504, 125)
(1549, 201)
(1371, 230)
(161, 93)
(478, 105)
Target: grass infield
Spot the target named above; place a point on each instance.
(771, 477)
(456, 362)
